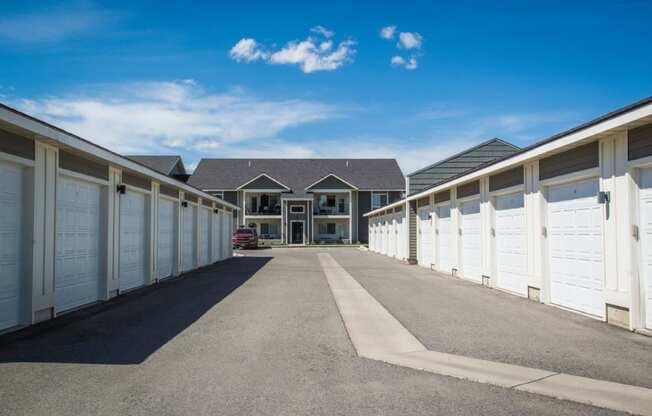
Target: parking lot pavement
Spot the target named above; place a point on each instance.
(254, 335)
(454, 316)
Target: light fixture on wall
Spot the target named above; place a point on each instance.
(216, 211)
(184, 204)
(121, 189)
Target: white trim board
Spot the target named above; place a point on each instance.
(260, 176)
(336, 177)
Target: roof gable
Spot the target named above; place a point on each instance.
(458, 164)
(165, 164)
(263, 181)
(331, 181)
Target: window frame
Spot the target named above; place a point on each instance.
(303, 209)
(379, 194)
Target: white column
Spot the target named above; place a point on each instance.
(113, 234)
(180, 232)
(153, 235)
(45, 173)
(455, 234)
(431, 210)
(487, 230)
(535, 206)
(615, 179)
(350, 218)
(198, 233)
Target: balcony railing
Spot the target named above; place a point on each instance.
(261, 210)
(342, 209)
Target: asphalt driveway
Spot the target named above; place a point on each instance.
(255, 335)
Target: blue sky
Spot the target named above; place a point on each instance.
(276, 79)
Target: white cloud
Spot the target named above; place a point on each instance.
(409, 40)
(247, 50)
(312, 59)
(158, 117)
(53, 25)
(322, 31)
(309, 54)
(398, 60)
(388, 32)
(411, 64)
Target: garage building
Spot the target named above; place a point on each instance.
(566, 221)
(81, 224)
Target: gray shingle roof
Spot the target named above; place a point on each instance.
(160, 163)
(228, 174)
(458, 164)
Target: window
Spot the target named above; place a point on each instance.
(219, 194)
(378, 199)
(297, 209)
(327, 228)
(269, 229)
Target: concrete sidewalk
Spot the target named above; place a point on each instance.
(454, 316)
(377, 335)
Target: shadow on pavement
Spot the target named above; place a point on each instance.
(129, 328)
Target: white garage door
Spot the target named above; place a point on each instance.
(189, 243)
(443, 261)
(167, 238)
(134, 234)
(471, 240)
(646, 241)
(511, 244)
(575, 246)
(11, 250)
(216, 248)
(204, 237)
(425, 248)
(78, 269)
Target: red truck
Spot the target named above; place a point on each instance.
(245, 238)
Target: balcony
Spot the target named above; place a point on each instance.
(327, 204)
(262, 204)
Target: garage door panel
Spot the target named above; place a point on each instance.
(11, 196)
(134, 235)
(78, 271)
(189, 237)
(204, 236)
(576, 246)
(511, 244)
(425, 249)
(471, 241)
(167, 238)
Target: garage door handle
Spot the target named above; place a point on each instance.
(459, 231)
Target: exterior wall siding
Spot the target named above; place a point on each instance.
(639, 142)
(506, 179)
(468, 189)
(16, 145)
(137, 181)
(574, 160)
(75, 163)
